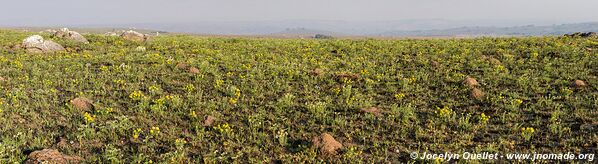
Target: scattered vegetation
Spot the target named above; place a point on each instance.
(183, 99)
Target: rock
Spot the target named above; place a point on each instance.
(209, 121)
(193, 70)
(37, 44)
(317, 72)
(470, 82)
(134, 36)
(82, 103)
(371, 110)
(326, 143)
(70, 35)
(51, 156)
(477, 93)
(579, 84)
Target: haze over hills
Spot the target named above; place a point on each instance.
(426, 27)
(529, 30)
(403, 28)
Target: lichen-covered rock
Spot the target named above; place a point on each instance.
(37, 44)
(133, 36)
(70, 35)
(51, 156)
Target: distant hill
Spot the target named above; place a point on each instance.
(305, 33)
(353, 28)
(529, 30)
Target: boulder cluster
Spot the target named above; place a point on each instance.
(37, 44)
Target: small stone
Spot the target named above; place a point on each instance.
(181, 66)
(579, 84)
(470, 82)
(209, 121)
(317, 72)
(477, 93)
(193, 70)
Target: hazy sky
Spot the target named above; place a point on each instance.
(56, 12)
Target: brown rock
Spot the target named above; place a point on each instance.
(470, 82)
(579, 83)
(51, 156)
(326, 143)
(209, 121)
(193, 70)
(82, 103)
(371, 110)
(181, 66)
(477, 93)
(317, 72)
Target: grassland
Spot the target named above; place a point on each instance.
(270, 97)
